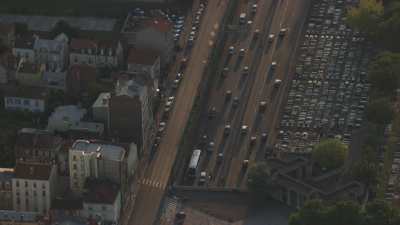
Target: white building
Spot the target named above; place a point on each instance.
(92, 159)
(100, 108)
(52, 53)
(34, 187)
(31, 99)
(102, 201)
(95, 53)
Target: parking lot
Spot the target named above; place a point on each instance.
(329, 92)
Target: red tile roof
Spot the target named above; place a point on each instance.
(142, 56)
(32, 171)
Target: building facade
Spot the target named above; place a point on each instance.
(34, 187)
(31, 99)
(6, 176)
(52, 53)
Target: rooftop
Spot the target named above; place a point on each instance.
(47, 23)
(25, 42)
(67, 203)
(38, 139)
(129, 88)
(136, 23)
(109, 151)
(11, 215)
(77, 44)
(142, 56)
(25, 92)
(101, 191)
(6, 174)
(102, 100)
(32, 171)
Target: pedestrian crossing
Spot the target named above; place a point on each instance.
(152, 183)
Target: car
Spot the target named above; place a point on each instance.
(220, 157)
(271, 38)
(227, 129)
(264, 136)
(179, 76)
(273, 65)
(263, 106)
(245, 164)
(242, 51)
(256, 33)
(175, 84)
(254, 8)
(253, 140)
(235, 102)
(243, 129)
(231, 50)
(212, 112)
(211, 146)
(203, 177)
(282, 32)
(224, 72)
(245, 70)
(228, 95)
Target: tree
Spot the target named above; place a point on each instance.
(380, 111)
(64, 27)
(259, 181)
(380, 212)
(390, 26)
(384, 73)
(366, 171)
(312, 213)
(366, 17)
(330, 153)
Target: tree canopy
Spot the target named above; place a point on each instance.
(380, 111)
(316, 212)
(330, 153)
(384, 73)
(366, 16)
(259, 181)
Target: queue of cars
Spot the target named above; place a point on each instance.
(329, 92)
(168, 102)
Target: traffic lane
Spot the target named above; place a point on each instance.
(287, 57)
(150, 207)
(249, 108)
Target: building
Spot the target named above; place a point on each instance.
(79, 78)
(131, 116)
(144, 61)
(102, 201)
(7, 34)
(150, 33)
(69, 118)
(6, 200)
(39, 146)
(93, 159)
(34, 187)
(23, 48)
(30, 74)
(7, 66)
(12, 217)
(100, 108)
(52, 53)
(95, 53)
(27, 98)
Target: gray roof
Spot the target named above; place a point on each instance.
(7, 215)
(108, 151)
(99, 101)
(46, 23)
(129, 88)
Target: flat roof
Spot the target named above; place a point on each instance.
(109, 151)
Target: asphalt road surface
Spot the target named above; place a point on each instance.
(153, 184)
(251, 89)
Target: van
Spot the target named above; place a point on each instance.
(242, 18)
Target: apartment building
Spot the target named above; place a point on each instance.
(6, 176)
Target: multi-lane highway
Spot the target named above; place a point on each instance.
(153, 183)
(224, 162)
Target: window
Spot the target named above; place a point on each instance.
(34, 193)
(74, 167)
(17, 101)
(18, 201)
(26, 193)
(74, 157)
(26, 201)
(26, 183)
(17, 183)
(44, 186)
(9, 101)
(26, 102)
(76, 59)
(44, 193)
(34, 184)
(104, 208)
(17, 193)
(90, 208)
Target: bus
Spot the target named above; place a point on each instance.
(194, 161)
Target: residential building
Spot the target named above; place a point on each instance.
(23, 48)
(102, 201)
(93, 159)
(6, 200)
(144, 61)
(34, 187)
(7, 66)
(70, 118)
(27, 98)
(7, 34)
(40, 146)
(79, 78)
(66, 206)
(30, 74)
(131, 116)
(95, 53)
(100, 108)
(12, 217)
(150, 33)
(52, 53)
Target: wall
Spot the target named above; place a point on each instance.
(31, 198)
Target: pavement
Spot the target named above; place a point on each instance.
(154, 179)
(257, 86)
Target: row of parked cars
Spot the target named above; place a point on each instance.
(329, 91)
(168, 102)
